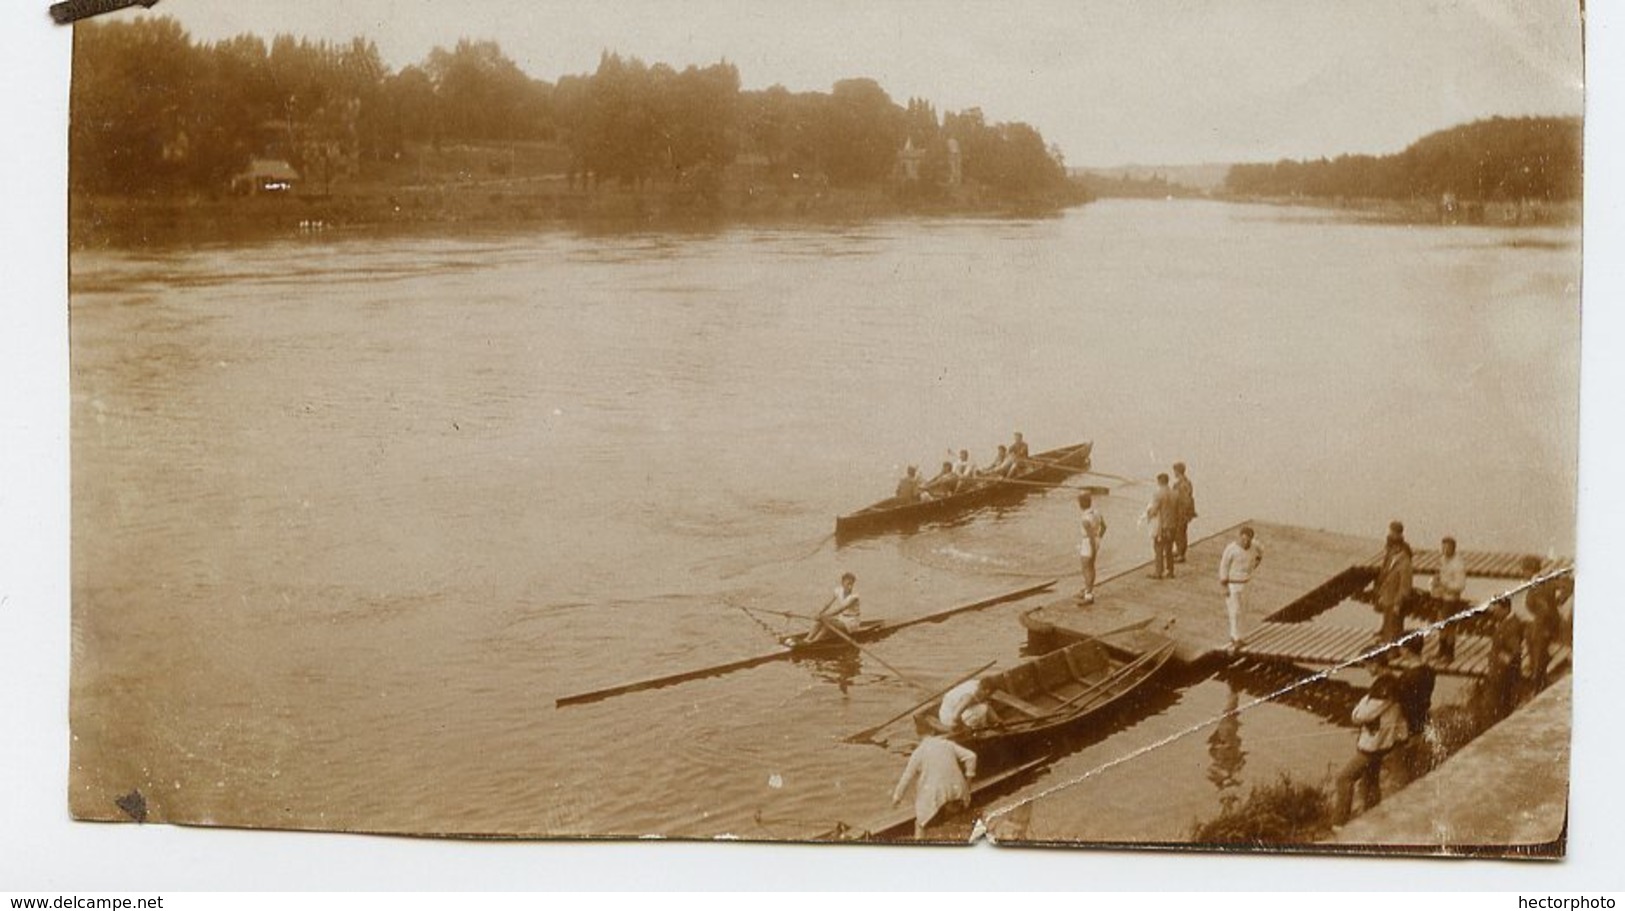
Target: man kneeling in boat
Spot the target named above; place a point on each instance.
(939, 769)
(965, 707)
(841, 613)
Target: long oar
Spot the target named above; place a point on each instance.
(1055, 485)
(785, 653)
(864, 735)
(854, 643)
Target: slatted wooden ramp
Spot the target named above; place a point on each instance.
(1326, 645)
(1481, 564)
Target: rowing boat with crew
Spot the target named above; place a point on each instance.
(1038, 471)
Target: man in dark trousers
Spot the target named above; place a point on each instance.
(1415, 683)
(1541, 603)
(1394, 583)
(1159, 514)
(1184, 511)
(1498, 691)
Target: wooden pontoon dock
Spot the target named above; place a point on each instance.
(1305, 573)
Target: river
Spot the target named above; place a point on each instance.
(351, 511)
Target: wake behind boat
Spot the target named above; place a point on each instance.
(894, 513)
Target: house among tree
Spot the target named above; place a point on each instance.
(908, 162)
(266, 175)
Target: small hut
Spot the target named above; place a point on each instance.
(266, 175)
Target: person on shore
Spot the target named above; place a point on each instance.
(1093, 527)
(1382, 727)
(1498, 691)
(1448, 585)
(1394, 583)
(908, 489)
(1415, 685)
(1544, 622)
(1236, 567)
(1184, 511)
(944, 483)
(965, 707)
(840, 614)
(1159, 514)
(940, 771)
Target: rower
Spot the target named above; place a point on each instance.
(1000, 466)
(841, 612)
(908, 489)
(945, 482)
(1019, 453)
(964, 468)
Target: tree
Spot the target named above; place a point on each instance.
(861, 132)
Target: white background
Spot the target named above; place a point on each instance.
(41, 849)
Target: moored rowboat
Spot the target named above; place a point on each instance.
(1054, 691)
(890, 514)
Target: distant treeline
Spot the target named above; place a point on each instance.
(155, 113)
(1501, 159)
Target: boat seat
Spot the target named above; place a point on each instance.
(1016, 702)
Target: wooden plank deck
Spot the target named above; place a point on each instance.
(1326, 645)
(1483, 564)
(1190, 607)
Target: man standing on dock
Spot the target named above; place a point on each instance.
(1394, 583)
(1236, 567)
(1160, 514)
(1544, 622)
(1093, 529)
(1448, 585)
(1184, 511)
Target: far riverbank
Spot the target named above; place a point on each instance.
(102, 222)
(1509, 214)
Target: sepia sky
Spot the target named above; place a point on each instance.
(1164, 82)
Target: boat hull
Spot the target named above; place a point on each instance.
(891, 515)
(1053, 693)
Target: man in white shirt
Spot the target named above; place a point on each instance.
(841, 612)
(957, 703)
(1236, 567)
(939, 769)
(1092, 526)
(1447, 589)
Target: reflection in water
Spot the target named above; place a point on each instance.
(841, 667)
(1224, 746)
